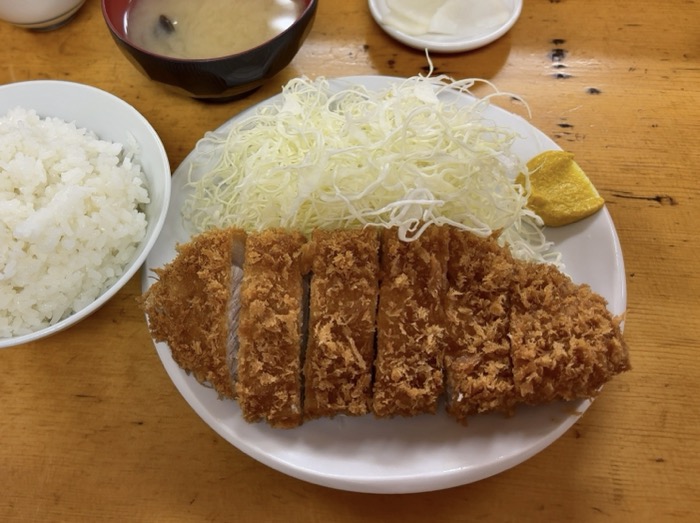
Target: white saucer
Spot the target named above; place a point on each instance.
(468, 37)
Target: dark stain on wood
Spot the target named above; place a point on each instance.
(557, 54)
(92, 397)
(593, 90)
(661, 199)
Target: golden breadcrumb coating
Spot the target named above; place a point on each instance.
(410, 324)
(187, 306)
(270, 329)
(565, 344)
(478, 371)
(450, 313)
(342, 309)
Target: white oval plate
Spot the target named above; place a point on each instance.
(113, 119)
(468, 38)
(417, 454)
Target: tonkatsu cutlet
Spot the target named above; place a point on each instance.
(410, 324)
(270, 329)
(450, 313)
(187, 306)
(478, 371)
(342, 309)
(565, 344)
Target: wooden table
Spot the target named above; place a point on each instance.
(91, 428)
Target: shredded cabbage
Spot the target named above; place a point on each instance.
(320, 157)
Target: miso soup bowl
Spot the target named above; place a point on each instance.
(218, 78)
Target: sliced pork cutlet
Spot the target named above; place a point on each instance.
(343, 303)
(410, 324)
(478, 370)
(565, 344)
(188, 306)
(269, 383)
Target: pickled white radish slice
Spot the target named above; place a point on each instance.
(456, 16)
(416, 10)
(412, 16)
(447, 17)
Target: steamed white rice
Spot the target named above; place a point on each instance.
(70, 218)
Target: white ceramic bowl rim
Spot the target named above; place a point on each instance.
(22, 12)
(115, 121)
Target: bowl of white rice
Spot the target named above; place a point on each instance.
(84, 191)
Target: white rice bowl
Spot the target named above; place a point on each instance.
(63, 264)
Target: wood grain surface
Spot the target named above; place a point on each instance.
(92, 429)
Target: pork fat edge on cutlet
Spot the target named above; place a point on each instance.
(270, 329)
(187, 306)
(478, 370)
(410, 324)
(343, 302)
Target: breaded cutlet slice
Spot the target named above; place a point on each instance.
(410, 324)
(343, 303)
(187, 306)
(478, 370)
(270, 337)
(565, 344)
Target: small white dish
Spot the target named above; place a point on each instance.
(112, 119)
(467, 37)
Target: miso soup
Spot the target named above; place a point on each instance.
(207, 28)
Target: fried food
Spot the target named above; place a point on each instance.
(342, 309)
(410, 324)
(478, 370)
(269, 385)
(392, 326)
(565, 344)
(187, 306)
